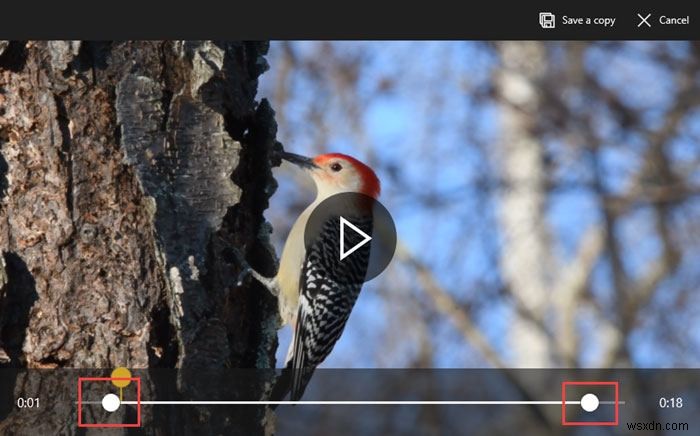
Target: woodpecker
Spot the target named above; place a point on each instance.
(316, 289)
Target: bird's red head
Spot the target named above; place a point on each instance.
(337, 169)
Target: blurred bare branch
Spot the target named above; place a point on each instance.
(445, 303)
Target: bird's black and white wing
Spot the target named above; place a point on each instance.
(329, 288)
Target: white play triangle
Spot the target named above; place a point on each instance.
(365, 236)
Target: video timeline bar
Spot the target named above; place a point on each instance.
(578, 408)
(541, 400)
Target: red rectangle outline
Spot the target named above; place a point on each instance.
(564, 422)
(98, 425)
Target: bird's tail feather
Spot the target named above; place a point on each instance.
(292, 381)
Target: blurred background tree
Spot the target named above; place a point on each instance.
(546, 196)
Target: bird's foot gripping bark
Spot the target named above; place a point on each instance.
(270, 283)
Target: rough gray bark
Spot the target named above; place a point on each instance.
(129, 172)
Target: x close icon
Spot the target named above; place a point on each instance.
(643, 20)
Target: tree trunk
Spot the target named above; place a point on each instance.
(129, 174)
(527, 263)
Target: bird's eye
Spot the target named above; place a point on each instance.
(336, 167)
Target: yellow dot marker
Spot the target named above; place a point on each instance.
(121, 372)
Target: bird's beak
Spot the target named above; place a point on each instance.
(298, 160)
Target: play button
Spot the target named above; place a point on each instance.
(365, 238)
(353, 235)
